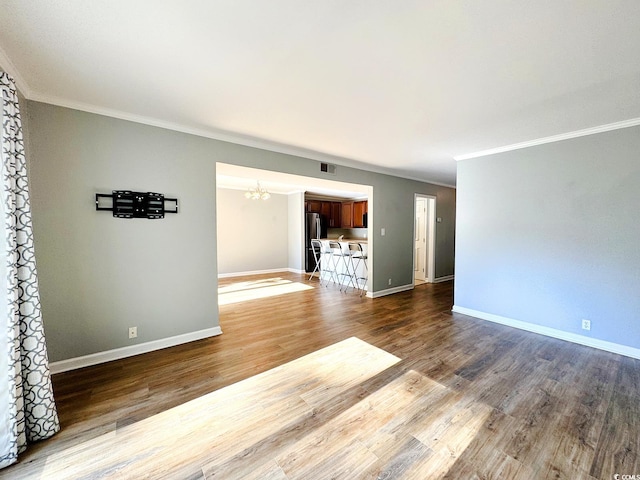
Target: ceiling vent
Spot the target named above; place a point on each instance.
(328, 168)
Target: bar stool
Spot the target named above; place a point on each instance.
(321, 256)
(338, 255)
(316, 247)
(358, 257)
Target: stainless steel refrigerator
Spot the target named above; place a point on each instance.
(315, 227)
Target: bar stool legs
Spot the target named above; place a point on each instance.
(335, 263)
(338, 256)
(316, 247)
(328, 266)
(356, 258)
(324, 267)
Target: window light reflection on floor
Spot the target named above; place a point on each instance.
(270, 287)
(347, 410)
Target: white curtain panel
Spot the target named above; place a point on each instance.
(27, 409)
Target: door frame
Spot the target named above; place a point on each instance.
(430, 226)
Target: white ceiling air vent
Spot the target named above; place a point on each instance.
(329, 168)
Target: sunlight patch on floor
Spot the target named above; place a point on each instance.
(212, 430)
(341, 411)
(253, 290)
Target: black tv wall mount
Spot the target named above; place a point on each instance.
(128, 204)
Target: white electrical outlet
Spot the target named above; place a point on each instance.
(586, 324)
(389, 281)
(133, 332)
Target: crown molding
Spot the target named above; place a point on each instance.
(213, 133)
(7, 65)
(554, 138)
(226, 136)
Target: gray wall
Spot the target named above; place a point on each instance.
(99, 275)
(549, 235)
(252, 234)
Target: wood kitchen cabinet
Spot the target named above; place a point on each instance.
(347, 215)
(325, 211)
(314, 206)
(359, 209)
(335, 219)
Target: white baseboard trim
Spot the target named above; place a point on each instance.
(255, 272)
(390, 291)
(130, 351)
(443, 279)
(295, 270)
(552, 332)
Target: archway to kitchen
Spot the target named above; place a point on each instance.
(268, 236)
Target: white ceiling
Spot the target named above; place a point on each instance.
(403, 86)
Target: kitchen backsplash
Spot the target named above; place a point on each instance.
(351, 233)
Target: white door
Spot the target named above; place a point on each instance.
(420, 254)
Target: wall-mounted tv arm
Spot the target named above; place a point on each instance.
(128, 204)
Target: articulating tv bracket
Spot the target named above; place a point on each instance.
(128, 204)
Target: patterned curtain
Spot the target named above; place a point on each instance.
(27, 408)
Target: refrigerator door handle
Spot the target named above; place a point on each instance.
(318, 227)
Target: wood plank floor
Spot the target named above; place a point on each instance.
(307, 382)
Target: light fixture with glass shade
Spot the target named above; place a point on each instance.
(257, 193)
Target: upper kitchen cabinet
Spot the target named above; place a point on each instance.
(325, 210)
(330, 211)
(314, 206)
(354, 214)
(339, 214)
(335, 219)
(359, 210)
(347, 215)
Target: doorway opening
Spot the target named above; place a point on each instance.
(424, 239)
(281, 220)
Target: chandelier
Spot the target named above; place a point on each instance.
(257, 193)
